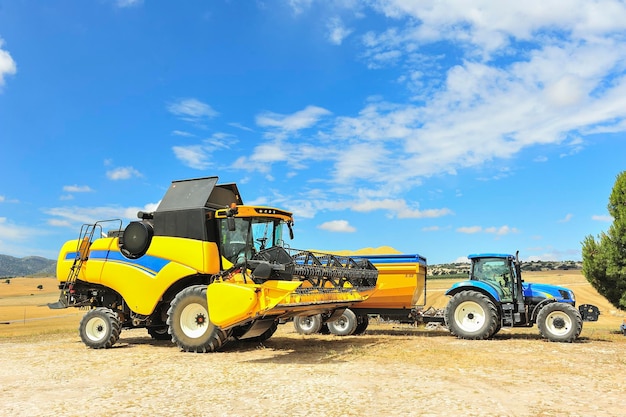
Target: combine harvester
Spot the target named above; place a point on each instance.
(199, 270)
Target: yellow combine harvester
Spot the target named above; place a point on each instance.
(201, 269)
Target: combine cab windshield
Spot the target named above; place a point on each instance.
(250, 236)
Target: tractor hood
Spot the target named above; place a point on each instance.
(539, 292)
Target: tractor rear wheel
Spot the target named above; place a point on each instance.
(559, 322)
(307, 324)
(189, 323)
(471, 315)
(344, 325)
(100, 328)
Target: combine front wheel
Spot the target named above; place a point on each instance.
(471, 315)
(189, 323)
(100, 328)
(559, 322)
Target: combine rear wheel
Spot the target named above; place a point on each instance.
(100, 328)
(471, 315)
(189, 323)
(559, 322)
(344, 325)
(308, 324)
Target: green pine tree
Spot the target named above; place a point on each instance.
(604, 260)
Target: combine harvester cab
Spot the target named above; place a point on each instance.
(199, 270)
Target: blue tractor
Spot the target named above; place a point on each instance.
(496, 295)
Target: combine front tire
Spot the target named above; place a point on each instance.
(471, 315)
(559, 322)
(100, 328)
(344, 325)
(189, 323)
(307, 324)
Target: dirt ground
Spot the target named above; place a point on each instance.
(393, 369)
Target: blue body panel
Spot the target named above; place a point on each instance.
(474, 284)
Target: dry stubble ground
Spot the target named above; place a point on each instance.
(392, 369)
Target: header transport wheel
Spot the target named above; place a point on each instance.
(471, 315)
(99, 328)
(308, 324)
(559, 322)
(189, 323)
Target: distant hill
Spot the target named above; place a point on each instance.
(455, 269)
(22, 267)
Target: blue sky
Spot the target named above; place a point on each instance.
(436, 127)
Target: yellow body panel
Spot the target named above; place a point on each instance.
(143, 281)
(399, 285)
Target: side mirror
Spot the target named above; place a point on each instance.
(289, 224)
(230, 217)
(230, 223)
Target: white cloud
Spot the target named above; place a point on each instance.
(194, 156)
(182, 133)
(199, 156)
(399, 208)
(74, 216)
(128, 3)
(567, 218)
(602, 218)
(470, 229)
(298, 6)
(123, 173)
(10, 231)
(337, 226)
(299, 120)
(77, 188)
(337, 32)
(2, 198)
(192, 110)
(499, 231)
(7, 64)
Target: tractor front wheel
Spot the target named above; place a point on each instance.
(471, 315)
(189, 323)
(100, 328)
(559, 322)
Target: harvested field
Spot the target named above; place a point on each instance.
(392, 369)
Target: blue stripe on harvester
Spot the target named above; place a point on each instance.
(147, 263)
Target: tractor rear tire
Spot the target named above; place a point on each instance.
(559, 322)
(471, 315)
(100, 328)
(189, 323)
(307, 324)
(344, 325)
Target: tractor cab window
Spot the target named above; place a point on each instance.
(250, 236)
(496, 272)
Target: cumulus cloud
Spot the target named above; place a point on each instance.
(192, 110)
(200, 155)
(337, 226)
(499, 231)
(602, 218)
(299, 120)
(123, 173)
(77, 188)
(7, 64)
(74, 216)
(337, 32)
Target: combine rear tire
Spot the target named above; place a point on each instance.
(559, 322)
(307, 324)
(344, 325)
(159, 333)
(471, 315)
(100, 328)
(189, 323)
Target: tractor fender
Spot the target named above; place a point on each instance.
(538, 307)
(479, 286)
